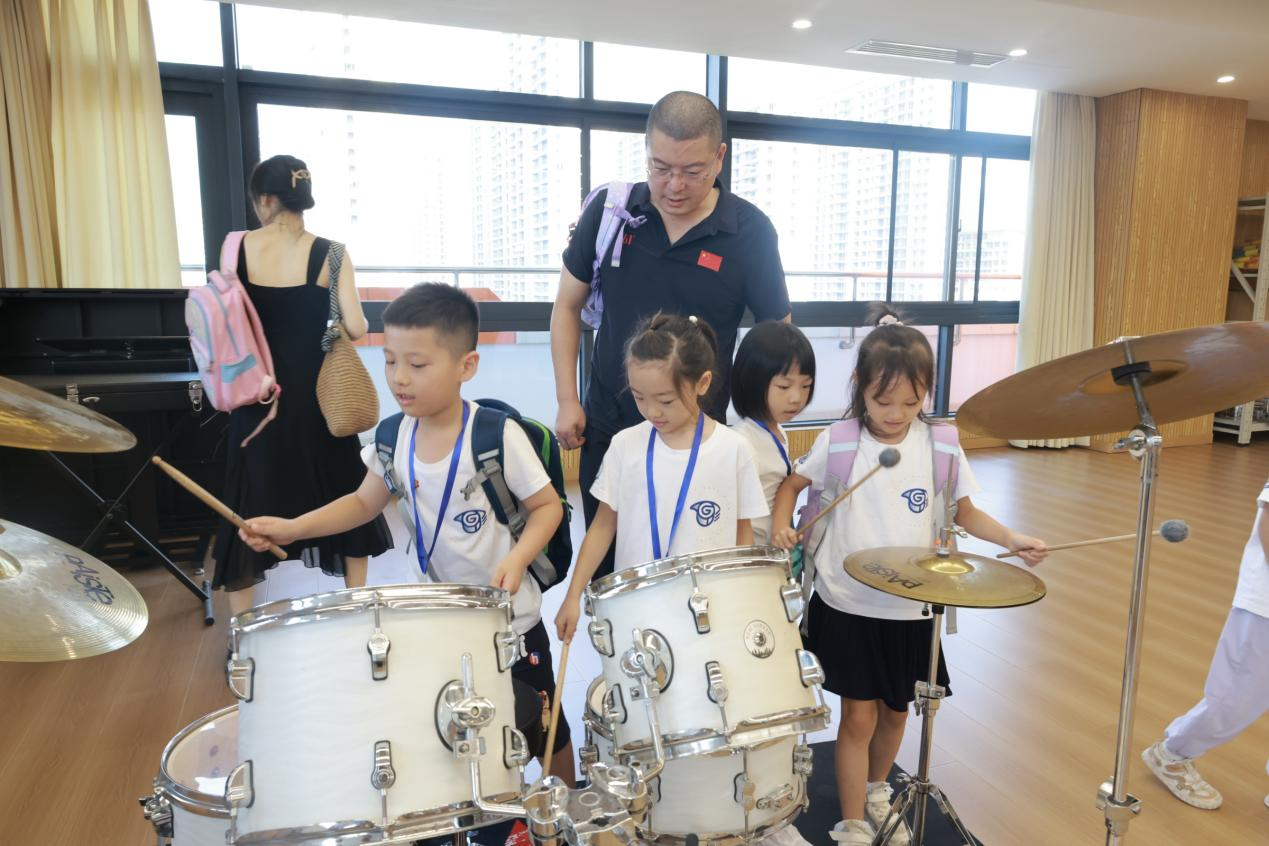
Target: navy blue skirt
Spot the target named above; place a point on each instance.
(865, 658)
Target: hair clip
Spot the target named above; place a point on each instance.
(890, 319)
(297, 175)
(692, 318)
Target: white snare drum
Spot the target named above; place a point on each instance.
(724, 798)
(188, 806)
(719, 651)
(374, 715)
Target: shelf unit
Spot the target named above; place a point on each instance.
(1248, 289)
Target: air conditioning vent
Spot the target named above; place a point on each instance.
(946, 55)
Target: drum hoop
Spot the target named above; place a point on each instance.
(194, 801)
(324, 606)
(664, 569)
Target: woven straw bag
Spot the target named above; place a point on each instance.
(345, 392)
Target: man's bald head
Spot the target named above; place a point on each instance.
(686, 116)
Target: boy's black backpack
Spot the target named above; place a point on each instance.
(550, 567)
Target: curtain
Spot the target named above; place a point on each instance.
(116, 220)
(1056, 311)
(28, 239)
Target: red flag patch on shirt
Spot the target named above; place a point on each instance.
(710, 261)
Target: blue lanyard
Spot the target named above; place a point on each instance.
(788, 468)
(425, 553)
(687, 481)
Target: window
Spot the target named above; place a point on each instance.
(920, 226)
(982, 354)
(187, 31)
(324, 44)
(644, 74)
(182, 153)
(995, 108)
(820, 92)
(999, 249)
(831, 208)
(617, 156)
(416, 192)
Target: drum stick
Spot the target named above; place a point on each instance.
(555, 711)
(1173, 531)
(888, 458)
(211, 502)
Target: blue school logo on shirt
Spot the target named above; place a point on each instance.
(472, 521)
(707, 512)
(917, 499)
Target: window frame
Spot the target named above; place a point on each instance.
(225, 102)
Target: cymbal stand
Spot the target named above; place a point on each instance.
(918, 788)
(1143, 443)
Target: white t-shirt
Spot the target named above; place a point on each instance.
(1252, 593)
(895, 508)
(724, 489)
(471, 543)
(772, 470)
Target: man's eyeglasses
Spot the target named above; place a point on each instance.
(660, 173)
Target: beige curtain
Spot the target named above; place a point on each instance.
(115, 217)
(1056, 312)
(28, 240)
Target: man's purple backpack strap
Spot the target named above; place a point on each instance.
(612, 225)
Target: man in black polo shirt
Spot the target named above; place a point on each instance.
(701, 251)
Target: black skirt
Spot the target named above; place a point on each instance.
(865, 658)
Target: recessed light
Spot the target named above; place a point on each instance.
(801, 23)
(1018, 52)
(1224, 79)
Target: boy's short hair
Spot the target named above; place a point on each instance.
(434, 305)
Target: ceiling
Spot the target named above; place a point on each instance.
(1081, 46)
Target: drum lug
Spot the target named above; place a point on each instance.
(698, 604)
(717, 684)
(383, 775)
(461, 714)
(158, 810)
(794, 604)
(809, 668)
(507, 646)
(743, 793)
(378, 646)
(515, 749)
(600, 632)
(241, 674)
(239, 794)
(614, 706)
(802, 760)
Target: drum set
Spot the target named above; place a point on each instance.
(389, 715)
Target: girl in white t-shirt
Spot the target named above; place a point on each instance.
(772, 380)
(680, 482)
(875, 647)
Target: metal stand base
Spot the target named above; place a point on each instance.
(917, 789)
(113, 512)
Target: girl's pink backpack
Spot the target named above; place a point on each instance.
(228, 341)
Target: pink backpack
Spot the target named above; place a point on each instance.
(228, 341)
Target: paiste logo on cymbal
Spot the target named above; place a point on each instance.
(87, 578)
(892, 576)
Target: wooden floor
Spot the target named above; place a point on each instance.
(1021, 747)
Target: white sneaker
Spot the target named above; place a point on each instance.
(852, 833)
(878, 807)
(1179, 776)
(787, 836)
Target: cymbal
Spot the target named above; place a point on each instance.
(960, 579)
(1192, 372)
(58, 602)
(34, 419)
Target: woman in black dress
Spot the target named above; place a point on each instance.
(294, 464)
